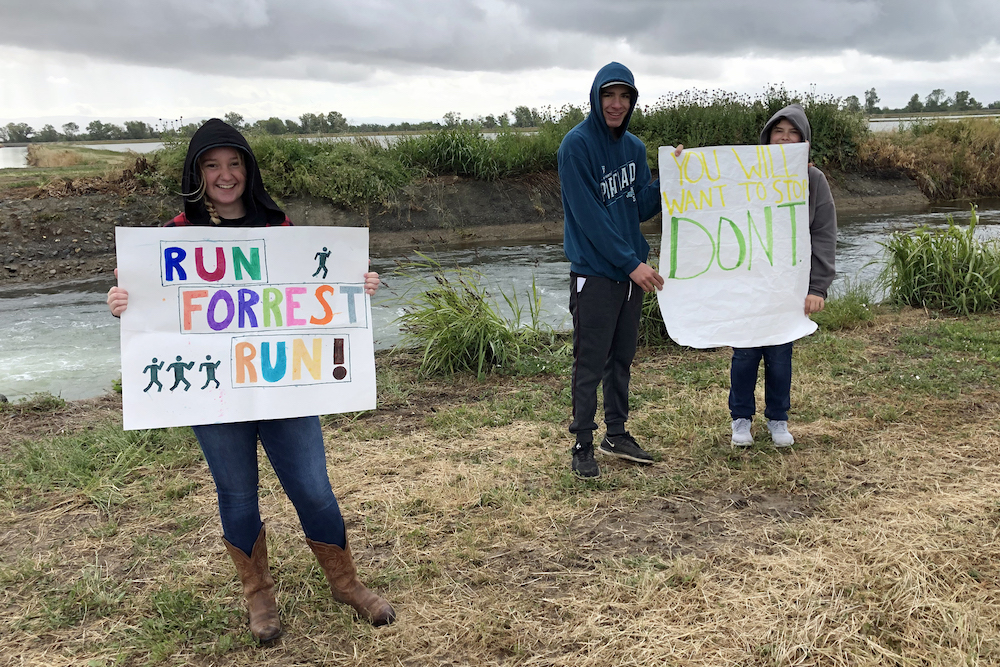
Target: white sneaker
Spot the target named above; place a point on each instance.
(779, 433)
(741, 433)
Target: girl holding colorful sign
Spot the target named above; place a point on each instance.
(222, 186)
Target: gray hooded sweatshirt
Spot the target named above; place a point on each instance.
(822, 213)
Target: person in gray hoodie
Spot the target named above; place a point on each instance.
(788, 125)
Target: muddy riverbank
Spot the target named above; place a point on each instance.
(67, 233)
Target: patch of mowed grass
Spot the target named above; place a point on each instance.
(936, 358)
(976, 336)
(96, 463)
(950, 358)
(945, 269)
(166, 621)
(699, 371)
(831, 355)
(92, 593)
(177, 618)
(530, 403)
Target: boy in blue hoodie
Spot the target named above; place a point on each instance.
(607, 191)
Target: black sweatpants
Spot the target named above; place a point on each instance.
(605, 333)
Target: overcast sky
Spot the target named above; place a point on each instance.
(418, 59)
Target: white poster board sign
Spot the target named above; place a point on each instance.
(735, 253)
(228, 325)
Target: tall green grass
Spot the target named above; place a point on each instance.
(466, 152)
(360, 173)
(945, 269)
(353, 174)
(957, 159)
(652, 330)
(458, 327)
(716, 118)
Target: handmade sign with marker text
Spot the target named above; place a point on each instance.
(735, 253)
(228, 324)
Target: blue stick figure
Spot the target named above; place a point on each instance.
(153, 370)
(178, 367)
(209, 369)
(321, 256)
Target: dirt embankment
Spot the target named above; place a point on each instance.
(67, 233)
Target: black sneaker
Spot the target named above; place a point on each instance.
(584, 465)
(625, 447)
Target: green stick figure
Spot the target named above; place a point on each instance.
(209, 370)
(321, 256)
(153, 369)
(178, 367)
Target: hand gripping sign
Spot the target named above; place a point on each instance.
(228, 325)
(735, 252)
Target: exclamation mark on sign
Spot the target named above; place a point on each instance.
(339, 371)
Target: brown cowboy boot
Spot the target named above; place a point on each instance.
(338, 565)
(258, 588)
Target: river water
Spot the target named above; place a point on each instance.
(60, 339)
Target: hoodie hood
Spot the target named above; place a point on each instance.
(612, 73)
(260, 208)
(796, 115)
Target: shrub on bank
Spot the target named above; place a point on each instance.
(457, 327)
(946, 269)
(356, 173)
(467, 152)
(717, 118)
(949, 159)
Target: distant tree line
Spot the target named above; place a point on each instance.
(936, 100)
(308, 123)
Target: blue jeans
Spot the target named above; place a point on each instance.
(295, 449)
(777, 381)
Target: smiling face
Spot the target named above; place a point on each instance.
(616, 100)
(225, 180)
(784, 132)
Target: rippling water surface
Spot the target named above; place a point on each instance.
(62, 340)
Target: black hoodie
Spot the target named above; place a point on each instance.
(261, 211)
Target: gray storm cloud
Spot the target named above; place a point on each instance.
(337, 40)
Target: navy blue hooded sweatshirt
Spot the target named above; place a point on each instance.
(606, 189)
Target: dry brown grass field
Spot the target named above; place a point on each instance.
(874, 541)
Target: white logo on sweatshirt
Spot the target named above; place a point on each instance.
(619, 183)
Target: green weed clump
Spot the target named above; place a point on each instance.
(458, 327)
(467, 152)
(851, 307)
(359, 173)
(652, 329)
(717, 118)
(949, 159)
(352, 174)
(945, 269)
(38, 402)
